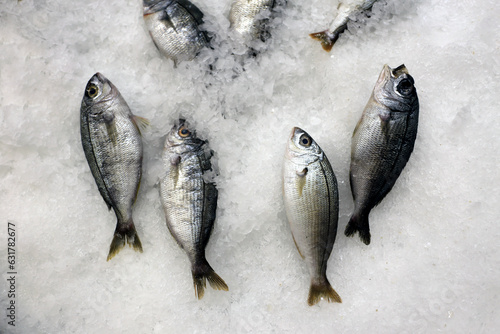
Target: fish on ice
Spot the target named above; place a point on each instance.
(382, 143)
(112, 143)
(345, 13)
(189, 200)
(249, 18)
(312, 207)
(174, 26)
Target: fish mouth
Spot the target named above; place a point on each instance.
(389, 73)
(398, 71)
(296, 130)
(98, 77)
(151, 7)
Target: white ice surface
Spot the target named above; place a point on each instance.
(434, 261)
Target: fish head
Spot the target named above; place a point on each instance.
(182, 138)
(302, 149)
(98, 90)
(395, 88)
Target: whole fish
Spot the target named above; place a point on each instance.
(190, 201)
(381, 144)
(312, 208)
(174, 26)
(246, 17)
(113, 147)
(346, 12)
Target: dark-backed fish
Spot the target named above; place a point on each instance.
(174, 26)
(189, 200)
(112, 144)
(382, 143)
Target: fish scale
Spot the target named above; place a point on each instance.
(244, 16)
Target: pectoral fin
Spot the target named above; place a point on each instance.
(140, 123)
(301, 180)
(109, 121)
(165, 18)
(384, 122)
(174, 168)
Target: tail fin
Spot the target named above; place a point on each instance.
(322, 289)
(359, 223)
(124, 232)
(201, 272)
(326, 38)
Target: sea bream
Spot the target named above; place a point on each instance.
(346, 11)
(174, 26)
(248, 18)
(189, 200)
(382, 143)
(312, 208)
(112, 144)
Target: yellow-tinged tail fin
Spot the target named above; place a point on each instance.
(124, 232)
(201, 273)
(322, 289)
(326, 38)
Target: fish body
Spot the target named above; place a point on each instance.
(112, 144)
(190, 201)
(247, 18)
(174, 26)
(382, 143)
(311, 204)
(345, 13)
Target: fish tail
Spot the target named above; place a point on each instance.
(124, 232)
(201, 273)
(326, 38)
(359, 223)
(322, 289)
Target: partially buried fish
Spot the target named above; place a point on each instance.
(247, 18)
(174, 26)
(112, 144)
(346, 12)
(312, 207)
(190, 201)
(381, 144)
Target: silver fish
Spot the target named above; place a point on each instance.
(190, 202)
(174, 26)
(382, 143)
(113, 147)
(312, 208)
(246, 18)
(345, 13)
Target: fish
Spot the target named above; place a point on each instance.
(345, 13)
(382, 143)
(174, 26)
(189, 200)
(312, 208)
(111, 140)
(247, 18)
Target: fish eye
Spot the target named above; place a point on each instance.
(404, 87)
(92, 91)
(183, 132)
(305, 140)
